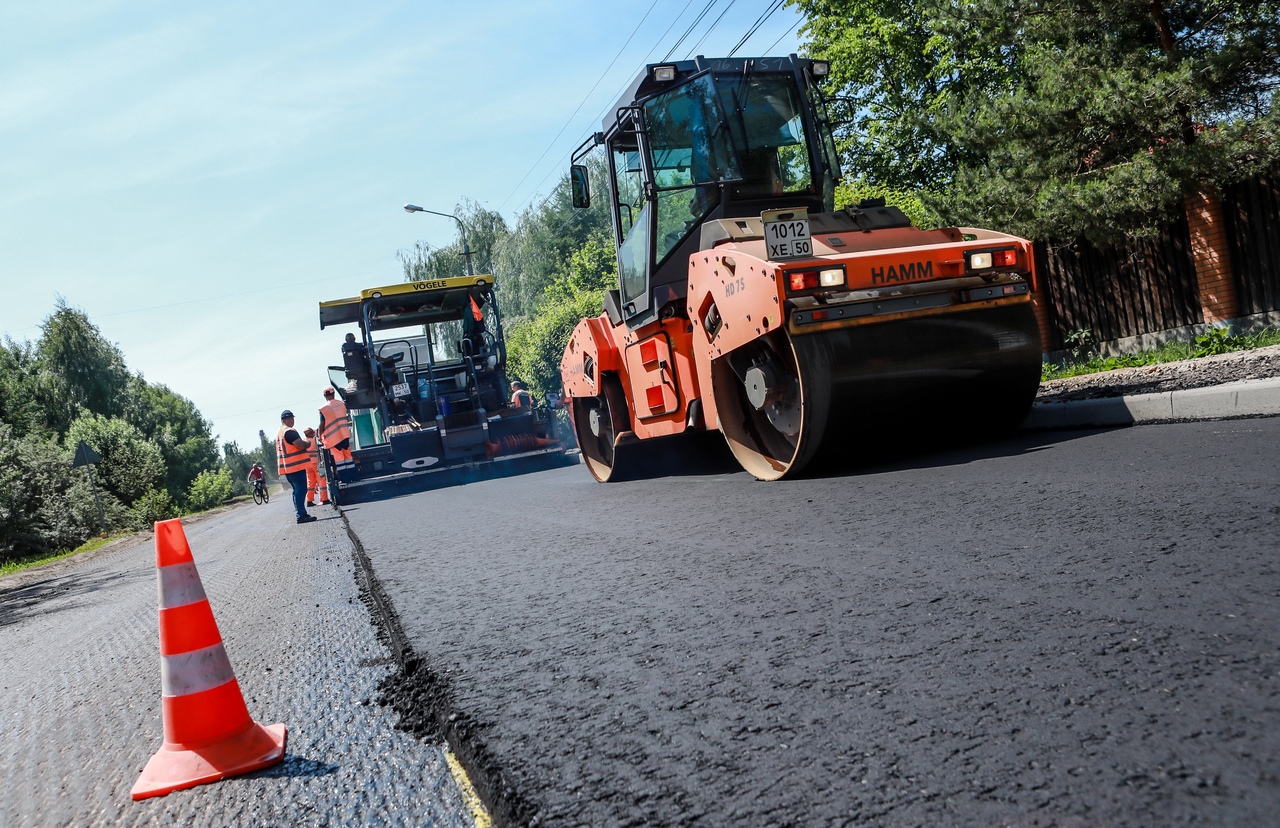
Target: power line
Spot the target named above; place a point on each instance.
(770, 10)
(777, 4)
(781, 36)
(584, 100)
(689, 30)
(709, 30)
(625, 84)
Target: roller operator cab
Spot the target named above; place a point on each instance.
(423, 376)
(747, 303)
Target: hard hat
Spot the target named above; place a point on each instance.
(286, 414)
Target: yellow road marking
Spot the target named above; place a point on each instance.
(478, 813)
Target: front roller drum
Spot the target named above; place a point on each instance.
(772, 404)
(598, 422)
(785, 402)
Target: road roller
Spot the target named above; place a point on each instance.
(748, 303)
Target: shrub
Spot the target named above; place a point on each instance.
(153, 506)
(209, 489)
(536, 345)
(131, 464)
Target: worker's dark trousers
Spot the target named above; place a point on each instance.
(298, 480)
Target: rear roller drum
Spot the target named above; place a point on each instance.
(597, 423)
(773, 400)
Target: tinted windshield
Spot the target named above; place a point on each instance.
(763, 116)
(743, 131)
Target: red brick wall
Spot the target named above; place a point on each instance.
(1040, 304)
(1212, 258)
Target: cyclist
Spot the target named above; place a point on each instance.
(257, 477)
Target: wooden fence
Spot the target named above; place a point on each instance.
(1118, 291)
(1252, 210)
(1149, 285)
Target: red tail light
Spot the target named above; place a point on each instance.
(803, 280)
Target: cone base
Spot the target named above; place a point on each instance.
(175, 767)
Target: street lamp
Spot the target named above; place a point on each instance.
(466, 248)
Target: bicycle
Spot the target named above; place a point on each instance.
(260, 493)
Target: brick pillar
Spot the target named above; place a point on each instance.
(1040, 304)
(1212, 258)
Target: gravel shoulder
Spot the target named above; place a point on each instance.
(81, 691)
(1258, 364)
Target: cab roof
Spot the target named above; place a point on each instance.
(406, 303)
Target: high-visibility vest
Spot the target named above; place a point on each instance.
(289, 458)
(522, 399)
(476, 313)
(336, 425)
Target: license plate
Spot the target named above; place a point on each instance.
(400, 389)
(786, 234)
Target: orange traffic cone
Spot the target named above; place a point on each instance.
(208, 734)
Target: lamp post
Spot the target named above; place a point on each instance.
(466, 249)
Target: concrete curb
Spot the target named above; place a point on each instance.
(1248, 398)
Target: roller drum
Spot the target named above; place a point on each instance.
(912, 381)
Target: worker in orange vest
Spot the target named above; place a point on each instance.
(291, 462)
(335, 433)
(315, 483)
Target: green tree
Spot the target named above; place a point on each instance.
(20, 402)
(537, 252)
(78, 369)
(1053, 119)
(536, 344)
(131, 464)
(20, 530)
(176, 426)
(154, 505)
(45, 505)
(484, 231)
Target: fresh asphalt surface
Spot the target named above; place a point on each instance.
(1058, 629)
(80, 685)
(1074, 628)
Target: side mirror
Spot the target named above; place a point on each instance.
(579, 186)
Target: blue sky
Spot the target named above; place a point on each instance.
(196, 178)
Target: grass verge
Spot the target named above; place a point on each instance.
(19, 564)
(1086, 360)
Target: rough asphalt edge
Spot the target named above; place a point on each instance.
(424, 702)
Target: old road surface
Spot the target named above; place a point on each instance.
(1063, 629)
(80, 686)
(1066, 629)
